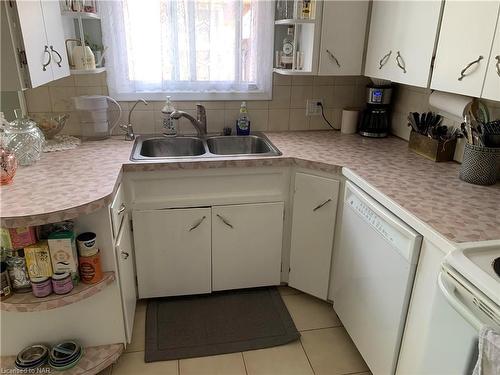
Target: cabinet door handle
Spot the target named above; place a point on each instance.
(124, 255)
(224, 220)
(464, 70)
(46, 51)
(401, 62)
(121, 209)
(332, 56)
(197, 224)
(498, 64)
(58, 55)
(322, 204)
(384, 59)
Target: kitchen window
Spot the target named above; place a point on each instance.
(190, 49)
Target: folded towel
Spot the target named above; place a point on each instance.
(488, 361)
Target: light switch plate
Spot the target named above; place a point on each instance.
(312, 107)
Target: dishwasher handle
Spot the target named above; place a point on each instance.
(459, 306)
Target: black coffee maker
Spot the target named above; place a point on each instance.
(375, 119)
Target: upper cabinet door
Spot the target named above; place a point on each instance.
(343, 37)
(313, 226)
(55, 38)
(36, 46)
(402, 39)
(491, 88)
(246, 245)
(467, 31)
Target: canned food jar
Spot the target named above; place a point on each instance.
(5, 287)
(62, 283)
(18, 272)
(90, 269)
(87, 244)
(41, 286)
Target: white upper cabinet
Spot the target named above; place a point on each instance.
(491, 88)
(55, 38)
(38, 35)
(463, 51)
(401, 41)
(343, 37)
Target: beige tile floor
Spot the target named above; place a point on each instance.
(323, 349)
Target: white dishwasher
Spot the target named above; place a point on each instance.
(373, 273)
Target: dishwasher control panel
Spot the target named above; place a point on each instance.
(388, 231)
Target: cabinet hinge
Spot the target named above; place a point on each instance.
(22, 58)
(281, 267)
(131, 226)
(432, 61)
(283, 214)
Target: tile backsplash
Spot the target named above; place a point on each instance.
(415, 99)
(286, 110)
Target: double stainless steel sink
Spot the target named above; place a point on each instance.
(210, 146)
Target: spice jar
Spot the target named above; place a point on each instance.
(23, 138)
(5, 287)
(41, 286)
(18, 273)
(62, 283)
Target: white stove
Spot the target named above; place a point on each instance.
(477, 266)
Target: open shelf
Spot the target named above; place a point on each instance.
(87, 71)
(27, 302)
(293, 21)
(95, 359)
(293, 72)
(82, 15)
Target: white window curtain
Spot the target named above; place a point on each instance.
(190, 49)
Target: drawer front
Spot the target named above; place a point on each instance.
(118, 210)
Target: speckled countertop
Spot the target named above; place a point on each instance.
(64, 185)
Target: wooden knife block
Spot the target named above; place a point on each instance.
(432, 149)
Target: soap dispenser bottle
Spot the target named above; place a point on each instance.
(169, 124)
(243, 122)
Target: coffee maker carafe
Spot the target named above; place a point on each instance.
(375, 120)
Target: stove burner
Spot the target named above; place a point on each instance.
(496, 266)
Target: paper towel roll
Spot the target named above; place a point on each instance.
(451, 106)
(349, 121)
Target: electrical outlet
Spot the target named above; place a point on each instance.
(312, 107)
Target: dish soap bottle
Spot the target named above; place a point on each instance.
(243, 122)
(169, 125)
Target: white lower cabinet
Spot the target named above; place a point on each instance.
(313, 225)
(173, 251)
(124, 249)
(246, 245)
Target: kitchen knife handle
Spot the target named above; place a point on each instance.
(401, 62)
(464, 70)
(384, 59)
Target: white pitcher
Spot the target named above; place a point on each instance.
(93, 113)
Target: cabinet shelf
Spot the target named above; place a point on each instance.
(87, 71)
(293, 21)
(27, 302)
(82, 15)
(293, 72)
(95, 359)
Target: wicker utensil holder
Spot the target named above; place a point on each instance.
(433, 149)
(479, 165)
